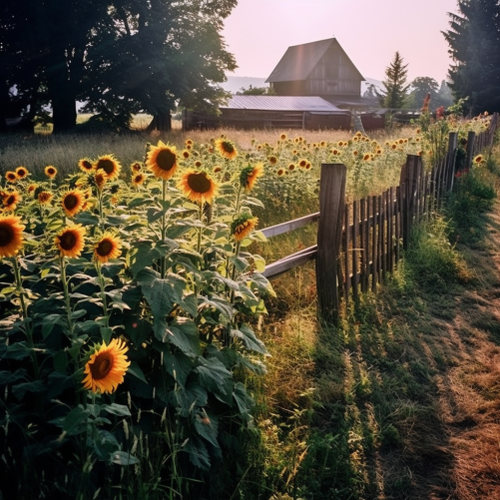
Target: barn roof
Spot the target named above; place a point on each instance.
(299, 61)
(281, 103)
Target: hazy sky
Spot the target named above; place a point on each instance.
(258, 32)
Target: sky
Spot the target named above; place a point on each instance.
(258, 33)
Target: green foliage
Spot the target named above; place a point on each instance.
(396, 88)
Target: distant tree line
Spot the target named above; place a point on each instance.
(119, 57)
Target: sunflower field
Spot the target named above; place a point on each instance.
(130, 298)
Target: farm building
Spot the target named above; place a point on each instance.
(248, 111)
(319, 69)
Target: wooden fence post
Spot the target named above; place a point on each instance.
(471, 139)
(450, 159)
(409, 183)
(331, 218)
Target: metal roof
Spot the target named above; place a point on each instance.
(281, 103)
(299, 61)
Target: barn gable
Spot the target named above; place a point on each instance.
(318, 68)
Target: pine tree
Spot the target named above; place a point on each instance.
(396, 87)
(473, 40)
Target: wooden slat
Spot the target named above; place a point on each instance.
(347, 249)
(365, 257)
(289, 262)
(355, 249)
(285, 227)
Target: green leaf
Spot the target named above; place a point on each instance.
(215, 377)
(78, 314)
(207, 428)
(116, 409)
(243, 400)
(178, 365)
(75, 421)
(20, 390)
(49, 321)
(7, 377)
(142, 256)
(19, 350)
(135, 370)
(86, 218)
(251, 342)
(106, 334)
(184, 334)
(123, 458)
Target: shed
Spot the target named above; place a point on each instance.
(318, 68)
(306, 112)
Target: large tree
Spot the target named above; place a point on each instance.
(473, 39)
(119, 56)
(396, 87)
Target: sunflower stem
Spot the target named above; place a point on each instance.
(64, 281)
(200, 229)
(24, 310)
(164, 227)
(102, 286)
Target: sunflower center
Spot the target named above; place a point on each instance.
(51, 171)
(227, 146)
(107, 165)
(165, 159)
(86, 165)
(104, 248)
(67, 240)
(102, 365)
(199, 183)
(11, 199)
(70, 201)
(6, 235)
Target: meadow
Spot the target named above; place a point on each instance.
(144, 350)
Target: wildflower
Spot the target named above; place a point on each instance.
(226, 148)
(249, 175)
(291, 167)
(110, 165)
(50, 171)
(108, 247)
(197, 186)
(162, 160)
(86, 165)
(440, 113)
(281, 172)
(32, 188)
(100, 178)
(106, 367)
(11, 176)
(11, 235)
(72, 202)
(11, 200)
(138, 179)
(21, 172)
(217, 169)
(273, 160)
(367, 157)
(70, 241)
(478, 159)
(302, 163)
(136, 167)
(427, 100)
(243, 225)
(186, 154)
(44, 197)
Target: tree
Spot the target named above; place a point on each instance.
(421, 87)
(396, 87)
(473, 40)
(251, 90)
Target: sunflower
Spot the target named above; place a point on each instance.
(197, 186)
(185, 154)
(110, 165)
(249, 175)
(11, 200)
(243, 225)
(303, 163)
(100, 179)
(70, 241)
(106, 367)
(11, 176)
(291, 167)
(108, 247)
(138, 179)
(21, 172)
(32, 188)
(283, 137)
(478, 159)
(273, 160)
(50, 171)
(73, 201)
(280, 172)
(44, 197)
(367, 157)
(11, 235)
(226, 148)
(136, 167)
(162, 160)
(86, 165)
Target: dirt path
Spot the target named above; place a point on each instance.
(469, 390)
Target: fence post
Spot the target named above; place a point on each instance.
(409, 182)
(450, 159)
(331, 218)
(471, 139)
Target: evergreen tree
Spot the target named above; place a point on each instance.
(473, 40)
(396, 87)
(421, 87)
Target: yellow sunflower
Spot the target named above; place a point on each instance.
(249, 176)
(86, 165)
(106, 367)
(70, 241)
(108, 247)
(44, 197)
(73, 201)
(478, 159)
(21, 172)
(162, 160)
(226, 148)
(243, 225)
(11, 176)
(32, 188)
(197, 186)
(11, 200)
(50, 171)
(110, 165)
(138, 179)
(100, 178)
(11, 235)
(136, 167)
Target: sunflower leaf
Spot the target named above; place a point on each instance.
(117, 409)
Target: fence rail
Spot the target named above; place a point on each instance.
(359, 243)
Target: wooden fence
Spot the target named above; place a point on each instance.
(359, 243)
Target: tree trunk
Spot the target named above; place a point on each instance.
(64, 111)
(162, 121)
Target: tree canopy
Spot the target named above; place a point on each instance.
(396, 87)
(440, 95)
(119, 57)
(473, 40)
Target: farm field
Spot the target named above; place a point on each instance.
(400, 400)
